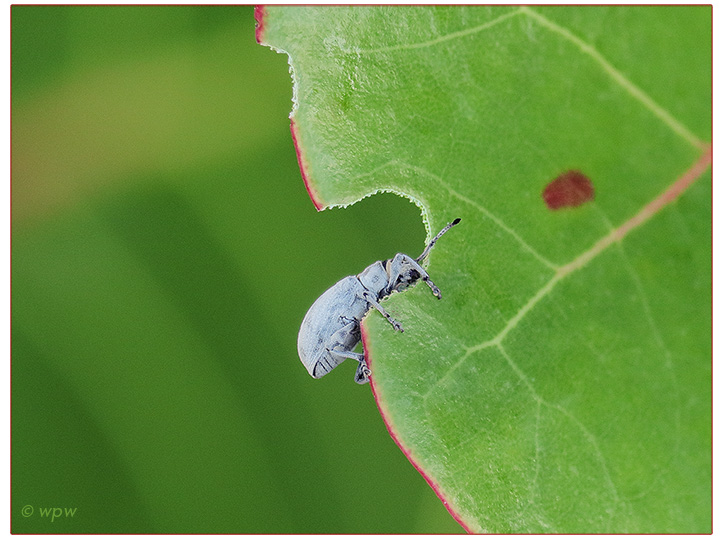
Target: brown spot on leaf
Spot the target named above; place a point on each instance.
(570, 189)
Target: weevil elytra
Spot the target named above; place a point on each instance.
(331, 329)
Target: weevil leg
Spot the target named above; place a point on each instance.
(347, 354)
(433, 286)
(346, 337)
(374, 303)
(362, 371)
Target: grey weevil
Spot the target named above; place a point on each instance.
(331, 328)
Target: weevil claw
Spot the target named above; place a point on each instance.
(433, 287)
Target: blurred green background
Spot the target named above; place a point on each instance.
(164, 252)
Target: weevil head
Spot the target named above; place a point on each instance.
(402, 271)
(409, 271)
(409, 275)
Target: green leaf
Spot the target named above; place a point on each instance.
(563, 382)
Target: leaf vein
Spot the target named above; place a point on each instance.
(585, 431)
(635, 91)
(443, 38)
(526, 246)
(614, 236)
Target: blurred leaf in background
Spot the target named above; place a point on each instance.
(164, 252)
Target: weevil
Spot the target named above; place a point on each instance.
(331, 328)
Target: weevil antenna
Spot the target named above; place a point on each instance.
(436, 238)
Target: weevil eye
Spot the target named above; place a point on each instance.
(406, 280)
(402, 284)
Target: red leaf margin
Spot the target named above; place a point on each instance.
(259, 17)
(304, 168)
(388, 423)
(259, 14)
